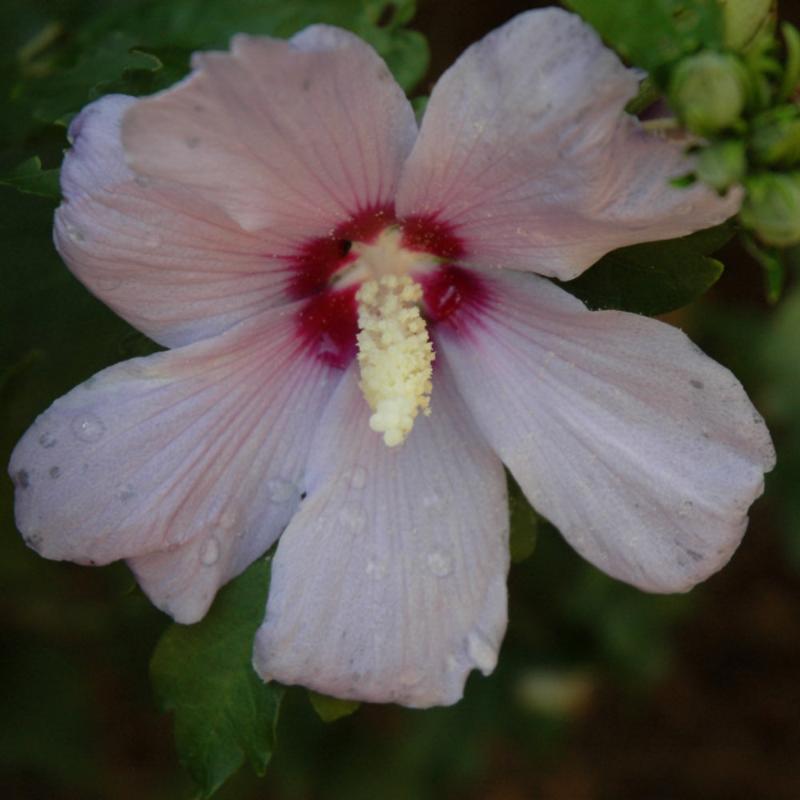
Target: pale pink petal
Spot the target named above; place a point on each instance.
(187, 461)
(175, 266)
(283, 135)
(644, 452)
(389, 584)
(526, 154)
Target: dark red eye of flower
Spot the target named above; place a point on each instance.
(328, 270)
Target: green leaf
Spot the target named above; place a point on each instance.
(653, 33)
(200, 24)
(329, 709)
(203, 672)
(29, 177)
(709, 240)
(142, 47)
(107, 61)
(653, 278)
(524, 523)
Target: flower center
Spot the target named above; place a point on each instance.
(385, 255)
(395, 355)
(372, 288)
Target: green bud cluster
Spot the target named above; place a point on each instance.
(744, 104)
(743, 20)
(708, 91)
(775, 137)
(722, 164)
(771, 207)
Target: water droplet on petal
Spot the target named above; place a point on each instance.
(358, 477)
(126, 493)
(47, 440)
(73, 232)
(353, 516)
(228, 519)
(483, 655)
(376, 568)
(411, 676)
(280, 490)
(440, 563)
(210, 552)
(431, 501)
(88, 427)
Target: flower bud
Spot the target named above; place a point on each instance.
(722, 164)
(743, 20)
(775, 137)
(771, 208)
(708, 91)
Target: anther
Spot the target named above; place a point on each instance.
(395, 355)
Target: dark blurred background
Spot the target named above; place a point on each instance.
(602, 693)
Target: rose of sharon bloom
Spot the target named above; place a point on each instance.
(362, 333)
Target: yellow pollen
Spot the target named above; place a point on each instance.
(395, 355)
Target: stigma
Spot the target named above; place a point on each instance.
(395, 355)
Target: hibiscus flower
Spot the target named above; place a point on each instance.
(362, 331)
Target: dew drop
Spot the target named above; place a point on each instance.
(687, 506)
(88, 427)
(440, 563)
(126, 493)
(483, 655)
(280, 490)
(449, 295)
(411, 676)
(74, 233)
(376, 568)
(431, 501)
(47, 440)
(210, 552)
(228, 519)
(358, 478)
(353, 516)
